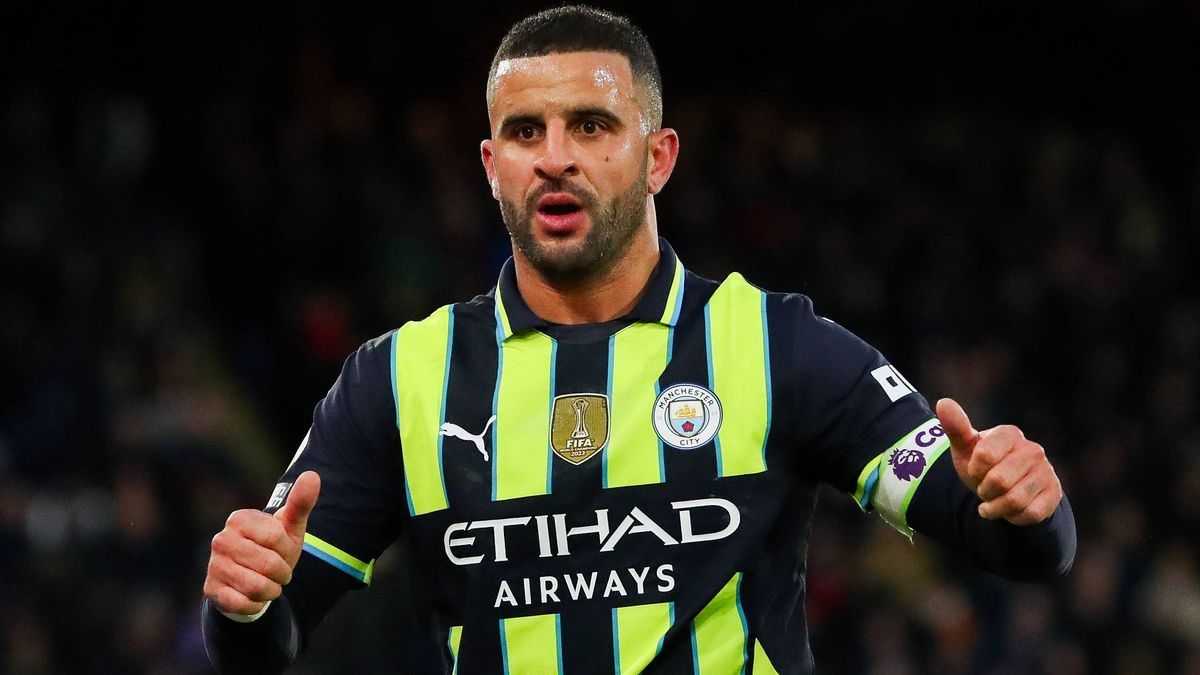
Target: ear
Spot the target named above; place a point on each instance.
(663, 150)
(488, 156)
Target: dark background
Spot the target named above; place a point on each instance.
(205, 207)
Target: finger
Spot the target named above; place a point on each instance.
(1042, 507)
(272, 564)
(260, 528)
(251, 584)
(230, 601)
(963, 437)
(300, 503)
(1010, 470)
(1015, 500)
(957, 425)
(993, 447)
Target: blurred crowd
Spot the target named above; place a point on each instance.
(185, 262)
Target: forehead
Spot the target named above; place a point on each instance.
(595, 78)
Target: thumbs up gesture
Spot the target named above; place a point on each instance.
(254, 555)
(1009, 473)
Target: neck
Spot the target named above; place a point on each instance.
(612, 294)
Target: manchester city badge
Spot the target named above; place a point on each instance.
(687, 416)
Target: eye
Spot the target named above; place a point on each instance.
(590, 127)
(526, 132)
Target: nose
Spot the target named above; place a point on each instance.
(557, 158)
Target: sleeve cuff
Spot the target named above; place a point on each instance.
(246, 618)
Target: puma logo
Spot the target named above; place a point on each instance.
(454, 431)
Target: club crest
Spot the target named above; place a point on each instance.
(579, 426)
(687, 416)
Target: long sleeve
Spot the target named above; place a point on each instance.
(353, 445)
(946, 511)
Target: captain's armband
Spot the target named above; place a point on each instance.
(888, 482)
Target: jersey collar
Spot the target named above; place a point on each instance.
(659, 303)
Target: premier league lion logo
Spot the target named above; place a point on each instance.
(907, 464)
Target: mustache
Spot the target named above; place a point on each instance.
(586, 199)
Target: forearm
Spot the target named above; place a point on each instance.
(946, 511)
(268, 644)
(273, 641)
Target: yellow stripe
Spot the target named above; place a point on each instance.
(719, 637)
(762, 665)
(673, 295)
(639, 356)
(530, 645)
(420, 362)
(364, 569)
(454, 641)
(860, 487)
(739, 368)
(521, 458)
(504, 326)
(638, 632)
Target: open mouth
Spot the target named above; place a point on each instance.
(558, 204)
(559, 209)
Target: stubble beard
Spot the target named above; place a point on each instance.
(614, 225)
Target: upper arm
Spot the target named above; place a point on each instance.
(861, 426)
(353, 445)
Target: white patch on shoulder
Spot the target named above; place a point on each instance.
(892, 382)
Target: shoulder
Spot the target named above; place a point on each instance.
(808, 346)
(793, 313)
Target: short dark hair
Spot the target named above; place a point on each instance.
(580, 28)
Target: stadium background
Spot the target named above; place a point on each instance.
(203, 209)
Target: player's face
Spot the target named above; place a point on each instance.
(567, 160)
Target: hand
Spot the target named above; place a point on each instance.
(1008, 472)
(253, 557)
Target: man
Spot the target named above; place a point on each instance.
(609, 464)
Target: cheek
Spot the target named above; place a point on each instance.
(511, 173)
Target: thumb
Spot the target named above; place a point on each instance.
(962, 435)
(300, 503)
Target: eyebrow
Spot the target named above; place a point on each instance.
(572, 114)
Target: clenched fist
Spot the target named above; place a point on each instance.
(253, 557)
(1009, 472)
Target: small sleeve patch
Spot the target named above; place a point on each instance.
(279, 495)
(892, 382)
(889, 481)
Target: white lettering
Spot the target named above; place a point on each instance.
(560, 529)
(588, 587)
(646, 525)
(667, 581)
(640, 581)
(460, 541)
(543, 528)
(549, 588)
(614, 584)
(554, 535)
(505, 594)
(686, 535)
(498, 526)
(528, 595)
